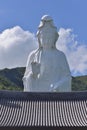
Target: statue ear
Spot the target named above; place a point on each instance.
(57, 36)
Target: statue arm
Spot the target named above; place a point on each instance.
(65, 75)
(28, 65)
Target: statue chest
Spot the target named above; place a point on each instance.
(50, 63)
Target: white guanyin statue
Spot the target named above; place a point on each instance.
(47, 69)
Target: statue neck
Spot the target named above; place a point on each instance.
(48, 48)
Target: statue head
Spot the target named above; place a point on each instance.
(47, 33)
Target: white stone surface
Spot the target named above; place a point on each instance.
(47, 69)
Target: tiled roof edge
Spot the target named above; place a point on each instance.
(19, 95)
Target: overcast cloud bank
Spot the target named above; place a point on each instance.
(16, 44)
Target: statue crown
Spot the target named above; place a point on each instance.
(46, 18)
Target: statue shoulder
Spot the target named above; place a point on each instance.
(61, 53)
(62, 57)
(64, 61)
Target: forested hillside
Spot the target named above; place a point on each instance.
(11, 79)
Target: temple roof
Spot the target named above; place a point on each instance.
(43, 109)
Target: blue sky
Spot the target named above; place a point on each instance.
(21, 16)
(27, 14)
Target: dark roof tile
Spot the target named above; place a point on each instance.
(43, 109)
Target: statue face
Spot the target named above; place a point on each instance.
(48, 36)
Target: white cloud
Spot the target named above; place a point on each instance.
(16, 44)
(76, 53)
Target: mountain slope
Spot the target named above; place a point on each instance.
(11, 79)
(79, 83)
